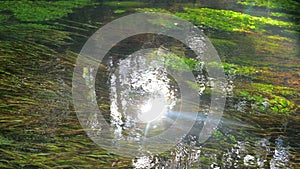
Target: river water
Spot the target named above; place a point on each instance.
(40, 128)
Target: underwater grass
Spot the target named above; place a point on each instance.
(3, 18)
(63, 144)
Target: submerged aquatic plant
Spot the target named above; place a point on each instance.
(225, 20)
(3, 18)
(228, 20)
(269, 98)
(235, 69)
(177, 63)
(278, 90)
(46, 34)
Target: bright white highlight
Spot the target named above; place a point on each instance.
(153, 110)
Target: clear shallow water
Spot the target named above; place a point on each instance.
(39, 127)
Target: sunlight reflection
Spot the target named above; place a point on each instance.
(141, 93)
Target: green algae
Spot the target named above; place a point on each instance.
(176, 63)
(218, 133)
(233, 69)
(226, 20)
(33, 11)
(231, 21)
(267, 98)
(232, 138)
(278, 90)
(119, 11)
(281, 105)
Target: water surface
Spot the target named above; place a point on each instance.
(259, 128)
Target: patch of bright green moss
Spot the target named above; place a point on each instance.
(119, 11)
(218, 134)
(195, 86)
(278, 90)
(177, 63)
(239, 70)
(233, 69)
(32, 11)
(268, 98)
(281, 105)
(228, 20)
(226, 137)
(232, 138)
